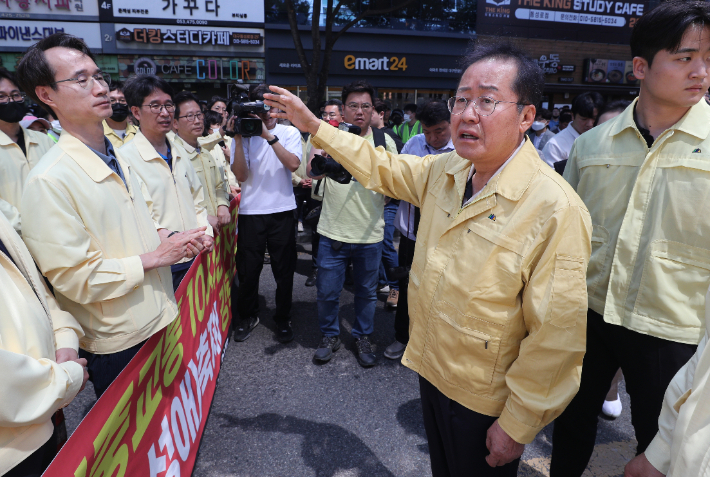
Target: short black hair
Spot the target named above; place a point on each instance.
(411, 107)
(116, 86)
(211, 117)
(565, 117)
(183, 97)
(140, 87)
(257, 93)
(529, 81)
(34, 69)
(359, 86)
(434, 112)
(217, 99)
(381, 106)
(4, 74)
(585, 104)
(545, 114)
(663, 27)
(613, 107)
(335, 102)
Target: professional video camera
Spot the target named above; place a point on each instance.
(242, 109)
(321, 165)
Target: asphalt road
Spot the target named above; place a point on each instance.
(276, 413)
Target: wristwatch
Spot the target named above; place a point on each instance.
(273, 141)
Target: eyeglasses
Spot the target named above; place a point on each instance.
(192, 117)
(15, 97)
(119, 101)
(355, 106)
(157, 108)
(483, 105)
(87, 81)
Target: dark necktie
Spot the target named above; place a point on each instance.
(468, 192)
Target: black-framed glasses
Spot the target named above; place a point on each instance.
(87, 81)
(483, 105)
(15, 97)
(355, 106)
(192, 117)
(157, 108)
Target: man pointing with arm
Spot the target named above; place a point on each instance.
(497, 286)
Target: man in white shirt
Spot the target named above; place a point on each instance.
(585, 109)
(263, 166)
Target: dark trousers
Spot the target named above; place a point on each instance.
(256, 232)
(648, 364)
(401, 316)
(179, 271)
(105, 368)
(37, 462)
(457, 437)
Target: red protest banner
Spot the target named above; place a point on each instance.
(150, 420)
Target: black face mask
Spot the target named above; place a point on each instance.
(120, 112)
(12, 112)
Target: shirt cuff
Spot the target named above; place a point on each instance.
(66, 338)
(518, 431)
(326, 134)
(134, 272)
(75, 371)
(222, 201)
(658, 454)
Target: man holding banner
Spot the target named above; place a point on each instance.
(89, 226)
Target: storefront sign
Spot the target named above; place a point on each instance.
(194, 69)
(550, 65)
(380, 64)
(23, 34)
(566, 79)
(582, 20)
(162, 37)
(185, 12)
(50, 9)
(609, 71)
(150, 420)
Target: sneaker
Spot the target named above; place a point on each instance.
(300, 227)
(244, 329)
(365, 355)
(612, 409)
(328, 345)
(383, 289)
(311, 280)
(395, 350)
(393, 298)
(284, 332)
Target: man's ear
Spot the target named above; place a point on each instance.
(44, 94)
(640, 67)
(527, 117)
(136, 112)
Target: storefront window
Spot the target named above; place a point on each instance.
(451, 16)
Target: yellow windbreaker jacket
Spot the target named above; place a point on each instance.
(497, 292)
(177, 195)
(680, 449)
(32, 328)
(14, 168)
(117, 142)
(86, 229)
(215, 190)
(650, 263)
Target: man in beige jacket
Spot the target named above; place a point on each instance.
(88, 223)
(177, 193)
(20, 148)
(41, 373)
(497, 285)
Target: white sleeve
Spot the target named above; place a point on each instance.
(292, 141)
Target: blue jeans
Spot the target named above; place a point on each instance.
(331, 276)
(389, 254)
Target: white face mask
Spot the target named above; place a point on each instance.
(538, 126)
(215, 130)
(56, 126)
(407, 117)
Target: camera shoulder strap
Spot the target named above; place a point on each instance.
(378, 137)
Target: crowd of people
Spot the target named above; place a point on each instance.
(542, 253)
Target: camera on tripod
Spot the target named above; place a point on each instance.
(242, 109)
(327, 166)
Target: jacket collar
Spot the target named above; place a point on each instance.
(148, 152)
(92, 164)
(6, 141)
(695, 122)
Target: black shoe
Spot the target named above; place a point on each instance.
(365, 356)
(311, 280)
(244, 329)
(284, 332)
(328, 345)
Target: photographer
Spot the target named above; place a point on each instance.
(351, 228)
(263, 166)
